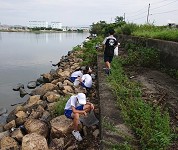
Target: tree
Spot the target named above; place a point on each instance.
(97, 28)
(119, 21)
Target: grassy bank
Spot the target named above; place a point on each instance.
(149, 123)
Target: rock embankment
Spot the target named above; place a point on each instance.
(34, 126)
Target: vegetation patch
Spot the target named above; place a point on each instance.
(59, 107)
(150, 124)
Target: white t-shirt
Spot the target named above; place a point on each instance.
(72, 102)
(77, 74)
(87, 80)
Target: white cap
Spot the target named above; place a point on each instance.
(81, 98)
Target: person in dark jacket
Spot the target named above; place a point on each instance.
(109, 44)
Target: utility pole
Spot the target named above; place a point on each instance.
(148, 13)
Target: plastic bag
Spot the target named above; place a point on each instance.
(116, 51)
(90, 119)
(76, 82)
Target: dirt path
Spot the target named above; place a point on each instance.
(112, 128)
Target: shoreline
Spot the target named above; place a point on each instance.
(44, 31)
(36, 114)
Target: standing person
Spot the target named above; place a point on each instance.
(76, 106)
(109, 45)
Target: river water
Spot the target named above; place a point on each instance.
(25, 56)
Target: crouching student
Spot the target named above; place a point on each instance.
(76, 106)
(86, 79)
(79, 73)
(76, 74)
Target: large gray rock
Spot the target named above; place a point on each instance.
(34, 141)
(21, 114)
(51, 96)
(57, 144)
(3, 111)
(33, 100)
(43, 89)
(32, 84)
(68, 89)
(17, 134)
(12, 115)
(22, 92)
(47, 77)
(36, 126)
(18, 86)
(3, 119)
(3, 134)
(60, 126)
(46, 116)
(64, 73)
(37, 113)
(10, 125)
(8, 143)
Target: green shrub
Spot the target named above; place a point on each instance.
(77, 48)
(59, 107)
(89, 55)
(126, 29)
(142, 56)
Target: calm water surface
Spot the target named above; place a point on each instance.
(24, 56)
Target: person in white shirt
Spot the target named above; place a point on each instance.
(79, 73)
(76, 74)
(76, 106)
(86, 81)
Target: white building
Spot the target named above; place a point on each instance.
(38, 24)
(56, 25)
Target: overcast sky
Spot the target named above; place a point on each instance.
(86, 12)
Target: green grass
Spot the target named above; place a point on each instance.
(163, 34)
(116, 146)
(59, 107)
(150, 125)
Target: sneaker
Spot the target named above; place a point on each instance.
(107, 71)
(77, 135)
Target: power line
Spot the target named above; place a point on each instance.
(139, 10)
(164, 5)
(137, 14)
(159, 2)
(148, 11)
(143, 9)
(138, 18)
(165, 12)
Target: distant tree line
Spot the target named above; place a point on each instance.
(165, 32)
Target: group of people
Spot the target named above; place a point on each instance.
(77, 104)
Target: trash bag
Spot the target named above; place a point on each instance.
(89, 120)
(76, 82)
(116, 51)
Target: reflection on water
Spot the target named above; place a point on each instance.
(24, 56)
